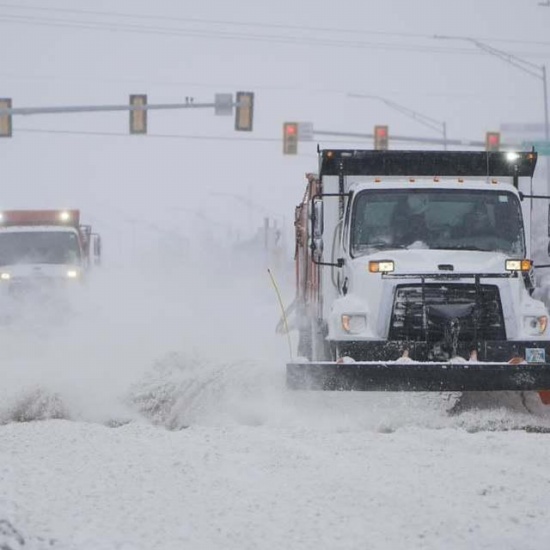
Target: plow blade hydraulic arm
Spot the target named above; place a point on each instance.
(437, 377)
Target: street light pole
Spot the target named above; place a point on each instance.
(419, 117)
(538, 71)
(545, 87)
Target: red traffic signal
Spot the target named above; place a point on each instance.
(492, 141)
(381, 137)
(290, 138)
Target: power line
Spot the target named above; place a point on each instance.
(93, 133)
(224, 35)
(195, 20)
(255, 24)
(324, 137)
(148, 135)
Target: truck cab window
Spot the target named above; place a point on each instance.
(451, 219)
(39, 247)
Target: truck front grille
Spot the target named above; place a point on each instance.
(22, 286)
(412, 319)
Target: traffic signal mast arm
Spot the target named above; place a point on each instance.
(138, 106)
(101, 108)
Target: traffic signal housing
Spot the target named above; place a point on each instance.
(5, 120)
(290, 138)
(244, 114)
(138, 118)
(492, 141)
(381, 138)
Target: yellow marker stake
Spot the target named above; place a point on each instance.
(283, 310)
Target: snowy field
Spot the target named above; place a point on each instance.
(121, 430)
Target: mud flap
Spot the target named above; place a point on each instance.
(412, 376)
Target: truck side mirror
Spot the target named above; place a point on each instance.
(318, 226)
(318, 219)
(97, 249)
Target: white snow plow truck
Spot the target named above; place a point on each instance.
(407, 261)
(43, 250)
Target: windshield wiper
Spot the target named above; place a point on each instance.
(460, 247)
(380, 245)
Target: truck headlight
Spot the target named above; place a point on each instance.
(518, 265)
(73, 274)
(354, 324)
(535, 325)
(382, 266)
(5, 276)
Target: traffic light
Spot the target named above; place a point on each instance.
(5, 120)
(290, 138)
(381, 138)
(244, 116)
(138, 118)
(492, 141)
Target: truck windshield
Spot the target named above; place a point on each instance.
(39, 247)
(451, 219)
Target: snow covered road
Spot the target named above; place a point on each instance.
(238, 487)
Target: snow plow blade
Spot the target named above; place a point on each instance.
(422, 377)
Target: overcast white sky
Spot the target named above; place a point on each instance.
(300, 58)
